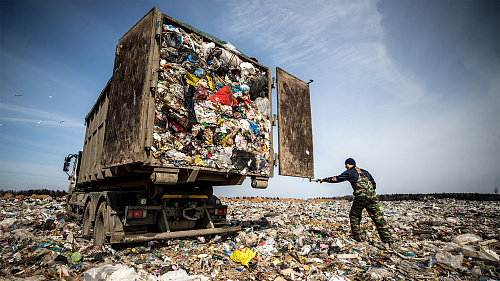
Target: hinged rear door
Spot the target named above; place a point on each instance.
(294, 126)
(130, 94)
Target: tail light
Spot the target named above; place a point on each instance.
(136, 214)
(222, 211)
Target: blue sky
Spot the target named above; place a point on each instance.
(410, 89)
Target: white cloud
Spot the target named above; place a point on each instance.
(298, 30)
(334, 41)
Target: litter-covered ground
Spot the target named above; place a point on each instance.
(280, 240)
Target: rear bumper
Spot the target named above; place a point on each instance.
(174, 234)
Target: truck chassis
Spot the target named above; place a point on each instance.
(133, 216)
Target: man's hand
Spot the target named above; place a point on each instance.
(332, 179)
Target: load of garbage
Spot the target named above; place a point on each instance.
(285, 239)
(212, 107)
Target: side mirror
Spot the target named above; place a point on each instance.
(66, 167)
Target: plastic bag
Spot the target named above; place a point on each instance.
(224, 96)
(177, 275)
(191, 79)
(451, 247)
(224, 155)
(263, 106)
(230, 57)
(171, 40)
(243, 159)
(207, 48)
(76, 257)
(243, 256)
(110, 273)
(378, 273)
(258, 87)
(450, 260)
(305, 250)
(248, 238)
(7, 222)
(299, 230)
(489, 255)
(247, 68)
(467, 238)
(198, 278)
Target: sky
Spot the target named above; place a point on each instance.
(409, 89)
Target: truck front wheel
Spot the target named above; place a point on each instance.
(87, 219)
(101, 221)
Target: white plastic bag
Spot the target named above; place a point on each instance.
(378, 273)
(177, 275)
(450, 260)
(110, 273)
(247, 68)
(198, 278)
(263, 106)
(338, 278)
(467, 238)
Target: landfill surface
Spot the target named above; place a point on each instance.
(285, 239)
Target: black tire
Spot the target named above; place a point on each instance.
(101, 221)
(87, 220)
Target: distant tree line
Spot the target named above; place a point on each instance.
(429, 196)
(403, 197)
(27, 193)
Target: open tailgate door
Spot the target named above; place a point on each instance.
(130, 94)
(294, 126)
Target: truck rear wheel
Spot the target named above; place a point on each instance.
(101, 221)
(87, 220)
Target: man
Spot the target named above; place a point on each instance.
(364, 186)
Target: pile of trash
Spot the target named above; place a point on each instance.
(212, 107)
(280, 240)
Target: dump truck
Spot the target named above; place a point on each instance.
(183, 112)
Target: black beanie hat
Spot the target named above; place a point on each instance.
(350, 161)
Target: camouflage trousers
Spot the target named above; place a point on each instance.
(365, 198)
(372, 206)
